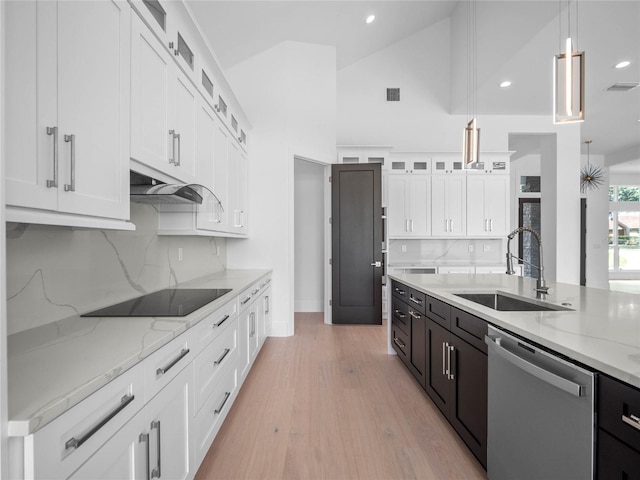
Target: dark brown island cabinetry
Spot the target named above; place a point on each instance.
(618, 430)
(447, 355)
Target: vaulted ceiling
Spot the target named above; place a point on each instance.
(516, 40)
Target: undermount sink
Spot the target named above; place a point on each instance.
(508, 303)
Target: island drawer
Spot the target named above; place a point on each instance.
(469, 328)
(399, 290)
(401, 315)
(615, 459)
(401, 344)
(619, 410)
(438, 311)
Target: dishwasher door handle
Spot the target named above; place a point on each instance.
(538, 372)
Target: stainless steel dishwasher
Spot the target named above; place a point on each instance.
(540, 413)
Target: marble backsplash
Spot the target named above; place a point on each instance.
(55, 272)
(467, 251)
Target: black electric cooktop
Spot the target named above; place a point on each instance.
(171, 302)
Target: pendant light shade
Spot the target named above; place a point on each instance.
(568, 79)
(471, 144)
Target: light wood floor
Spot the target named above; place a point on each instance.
(329, 403)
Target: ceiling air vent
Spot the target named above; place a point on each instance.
(622, 87)
(393, 94)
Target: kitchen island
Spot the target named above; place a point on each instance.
(602, 329)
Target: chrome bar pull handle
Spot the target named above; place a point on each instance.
(414, 315)
(144, 437)
(224, 354)
(71, 187)
(54, 132)
(172, 158)
(444, 359)
(179, 157)
(163, 370)
(224, 319)
(632, 421)
(450, 368)
(451, 225)
(74, 442)
(491, 224)
(156, 472)
(224, 401)
(397, 341)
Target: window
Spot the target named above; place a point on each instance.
(624, 228)
(157, 12)
(530, 184)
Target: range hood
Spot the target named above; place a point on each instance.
(144, 189)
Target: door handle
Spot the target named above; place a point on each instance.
(376, 264)
(157, 472)
(172, 159)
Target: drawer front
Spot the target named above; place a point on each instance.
(219, 356)
(399, 290)
(615, 459)
(400, 341)
(213, 413)
(438, 311)
(417, 301)
(60, 447)
(469, 328)
(164, 364)
(401, 315)
(212, 326)
(618, 405)
(248, 295)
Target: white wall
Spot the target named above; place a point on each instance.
(624, 178)
(289, 95)
(309, 236)
(597, 243)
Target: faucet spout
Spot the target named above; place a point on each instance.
(541, 284)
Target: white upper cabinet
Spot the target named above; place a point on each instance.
(412, 163)
(447, 163)
(409, 206)
(448, 205)
(488, 205)
(163, 108)
(67, 95)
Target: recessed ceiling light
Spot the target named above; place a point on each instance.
(370, 18)
(623, 64)
(505, 84)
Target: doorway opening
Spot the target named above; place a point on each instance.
(529, 215)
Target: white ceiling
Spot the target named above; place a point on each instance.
(516, 40)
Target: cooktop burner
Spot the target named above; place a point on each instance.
(171, 302)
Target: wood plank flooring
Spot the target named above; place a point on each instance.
(329, 403)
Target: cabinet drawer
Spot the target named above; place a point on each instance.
(400, 342)
(469, 328)
(399, 290)
(401, 315)
(60, 447)
(619, 403)
(417, 300)
(213, 413)
(247, 296)
(164, 364)
(438, 311)
(212, 326)
(214, 361)
(615, 459)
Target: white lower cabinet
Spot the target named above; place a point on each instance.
(160, 417)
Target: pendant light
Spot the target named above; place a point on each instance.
(568, 75)
(591, 177)
(471, 136)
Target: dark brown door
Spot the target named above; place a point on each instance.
(356, 234)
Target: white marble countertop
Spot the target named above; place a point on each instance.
(603, 331)
(55, 366)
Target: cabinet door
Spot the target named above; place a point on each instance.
(397, 213)
(221, 171)
(456, 204)
(468, 413)
(93, 104)
(439, 214)
(31, 103)
(152, 76)
(244, 342)
(477, 223)
(616, 460)
(420, 205)
(168, 424)
(208, 217)
(418, 350)
(185, 128)
(437, 384)
(123, 456)
(238, 187)
(496, 196)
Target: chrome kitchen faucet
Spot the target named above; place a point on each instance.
(541, 285)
